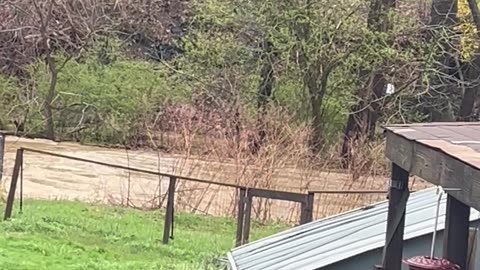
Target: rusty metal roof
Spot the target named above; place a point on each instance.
(460, 140)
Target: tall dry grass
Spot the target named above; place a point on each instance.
(212, 148)
(222, 154)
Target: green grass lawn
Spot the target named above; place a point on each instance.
(71, 235)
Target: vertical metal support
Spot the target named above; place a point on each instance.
(240, 216)
(169, 212)
(248, 216)
(13, 184)
(455, 238)
(2, 154)
(393, 250)
(21, 185)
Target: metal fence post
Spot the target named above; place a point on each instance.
(2, 153)
(240, 216)
(21, 184)
(169, 212)
(13, 184)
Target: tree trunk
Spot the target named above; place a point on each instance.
(49, 123)
(472, 74)
(316, 140)
(472, 4)
(443, 15)
(265, 91)
(45, 17)
(359, 115)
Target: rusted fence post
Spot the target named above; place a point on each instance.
(240, 216)
(169, 212)
(2, 153)
(13, 184)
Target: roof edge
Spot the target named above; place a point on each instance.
(231, 260)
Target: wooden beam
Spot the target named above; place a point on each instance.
(248, 216)
(455, 238)
(435, 167)
(472, 247)
(278, 195)
(393, 249)
(306, 214)
(348, 191)
(13, 184)
(169, 212)
(240, 217)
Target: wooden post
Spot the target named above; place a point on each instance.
(248, 215)
(13, 184)
(169, 212)
(393, 250)
(240, 216)
(306, 215)
(2, 154)
(455, 238)
(310, 205)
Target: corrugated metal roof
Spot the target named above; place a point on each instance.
(326, 241)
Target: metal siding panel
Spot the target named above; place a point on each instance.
(328, 241)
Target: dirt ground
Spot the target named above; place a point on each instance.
(50, 177)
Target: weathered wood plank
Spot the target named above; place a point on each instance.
(455, 239)
(248, 216)
(436, 167)
(309, 207)
(278, 195)
(399, 150)
(13, 184)
(472, 247)
(393, 249)
(240, 217)
(306, 214)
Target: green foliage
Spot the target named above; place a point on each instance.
(102, 97)
(9, 101)
(71, 235)
(323, 56)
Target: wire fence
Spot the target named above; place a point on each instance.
(138, 181)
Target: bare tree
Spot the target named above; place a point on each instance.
(472, 73)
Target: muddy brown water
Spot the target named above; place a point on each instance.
(49, 177)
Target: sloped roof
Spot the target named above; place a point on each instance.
(330, 240)
(460, 140)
